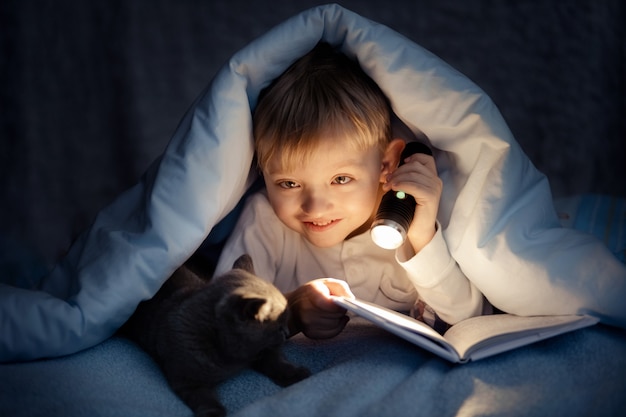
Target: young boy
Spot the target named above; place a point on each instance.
(323, 143)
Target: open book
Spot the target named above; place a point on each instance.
(471, 339)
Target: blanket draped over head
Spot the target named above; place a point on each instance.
(496, 210)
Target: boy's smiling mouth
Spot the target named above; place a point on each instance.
(320, 225)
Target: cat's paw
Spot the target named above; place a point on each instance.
(202, 399)
(291, 376)
(212, 410)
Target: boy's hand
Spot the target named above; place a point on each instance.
(314, 313)
(418, 177)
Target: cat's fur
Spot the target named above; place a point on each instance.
(202, 332)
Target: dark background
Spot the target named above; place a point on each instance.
(93, 90)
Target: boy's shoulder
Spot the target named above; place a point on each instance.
(259, 201)
(257, 208)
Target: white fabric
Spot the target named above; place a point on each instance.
(496, 211)
(286, 259)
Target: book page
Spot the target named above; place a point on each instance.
(401, 325)
(497, 333)
(471, 339)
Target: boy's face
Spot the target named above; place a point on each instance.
(332, 196)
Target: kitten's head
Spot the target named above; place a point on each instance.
(251, 314)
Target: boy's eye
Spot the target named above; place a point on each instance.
(342, 179)
(288, 184)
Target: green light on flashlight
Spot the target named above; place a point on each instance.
(400, 195)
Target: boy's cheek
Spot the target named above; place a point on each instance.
(277, 201)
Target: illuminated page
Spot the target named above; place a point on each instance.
(471, 339)
(401, 325)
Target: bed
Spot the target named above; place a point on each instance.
(60, 352)
(363, 372)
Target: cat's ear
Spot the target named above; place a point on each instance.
(244, 262)
(250, 308)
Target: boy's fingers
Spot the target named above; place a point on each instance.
(324, 289)
(423, 159)
(328, 287)
(337, 287)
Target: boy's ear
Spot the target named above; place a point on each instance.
(391, 158)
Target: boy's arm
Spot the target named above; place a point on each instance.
(439, 280)
(425, 255)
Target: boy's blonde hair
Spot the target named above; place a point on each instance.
(323, 94)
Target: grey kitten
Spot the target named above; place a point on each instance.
(202, 332)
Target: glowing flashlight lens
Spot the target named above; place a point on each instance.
(387, 235)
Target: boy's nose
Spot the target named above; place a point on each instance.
(316, 204)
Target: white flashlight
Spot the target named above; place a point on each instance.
(396, 209)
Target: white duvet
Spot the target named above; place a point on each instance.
(496, 211)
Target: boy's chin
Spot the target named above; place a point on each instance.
(324, 242)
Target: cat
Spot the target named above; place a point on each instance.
(203, 331)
